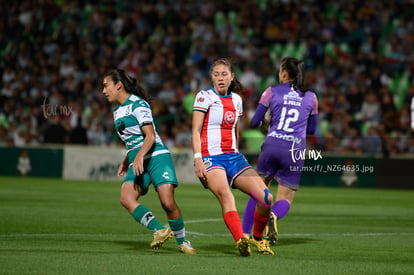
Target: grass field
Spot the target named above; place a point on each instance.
(51, 226)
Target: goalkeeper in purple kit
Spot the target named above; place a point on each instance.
(294, 113)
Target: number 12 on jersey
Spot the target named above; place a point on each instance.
(286, 117)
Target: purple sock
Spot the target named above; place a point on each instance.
(248, 216)
(280, 208)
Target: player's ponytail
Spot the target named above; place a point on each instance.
(131, 85)
(296, 71)
(236, 86)
(136, 89)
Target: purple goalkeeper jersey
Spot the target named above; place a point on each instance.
(289, 112)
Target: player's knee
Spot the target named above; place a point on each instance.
(223, 195)
(169, 206)
(126, 201)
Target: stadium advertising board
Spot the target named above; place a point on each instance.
(31, 161)
(97, 163)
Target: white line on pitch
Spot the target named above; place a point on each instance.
(194, 233)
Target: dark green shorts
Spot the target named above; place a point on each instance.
(158, 170)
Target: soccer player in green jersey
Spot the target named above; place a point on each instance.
(148, 159)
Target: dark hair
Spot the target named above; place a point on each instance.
(235, 85)
(130, 84)
(296, 72)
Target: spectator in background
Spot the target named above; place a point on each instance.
(371, 141)
(352, 141)
(3, 136)
(410, 143)
(96, 135)
(387, 103)
(55, 132)
(340, 103)
(400, 141)
(79, 134)
(371, 109)
(405, 118)
(412, 114)
(183, 136)
(50, 42)
(249, 78)
(354, 98)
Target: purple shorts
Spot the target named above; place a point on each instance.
(276, 160)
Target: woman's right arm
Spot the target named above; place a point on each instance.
(258, 116)
(197, 125)
(261, 109)
(123, 167)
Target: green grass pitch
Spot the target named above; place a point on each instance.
(52, 226)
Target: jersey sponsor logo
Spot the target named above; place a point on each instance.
(145, 113)
(285, 137)
(229, 117)
(165, 175)
(238, 107)
(120, 127)
(200, 99)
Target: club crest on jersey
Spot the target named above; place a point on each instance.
(292, 98)
(128, 109)
(229, 117)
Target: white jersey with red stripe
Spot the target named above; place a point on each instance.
(218, 135)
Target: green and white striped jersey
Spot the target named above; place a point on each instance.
(129, 117)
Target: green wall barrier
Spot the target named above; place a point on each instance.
(351, 171)
(39, 162)
(340, 171)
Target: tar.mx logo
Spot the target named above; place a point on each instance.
(302, 154)
(51, 110)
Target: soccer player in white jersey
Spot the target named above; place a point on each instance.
(218, 163)
(148, 160)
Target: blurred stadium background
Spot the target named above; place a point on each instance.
(359, 57)
(55, 123)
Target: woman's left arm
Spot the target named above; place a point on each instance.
(236, 129)
(149, 133)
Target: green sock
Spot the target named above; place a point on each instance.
(177, 226)
(144, 216)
